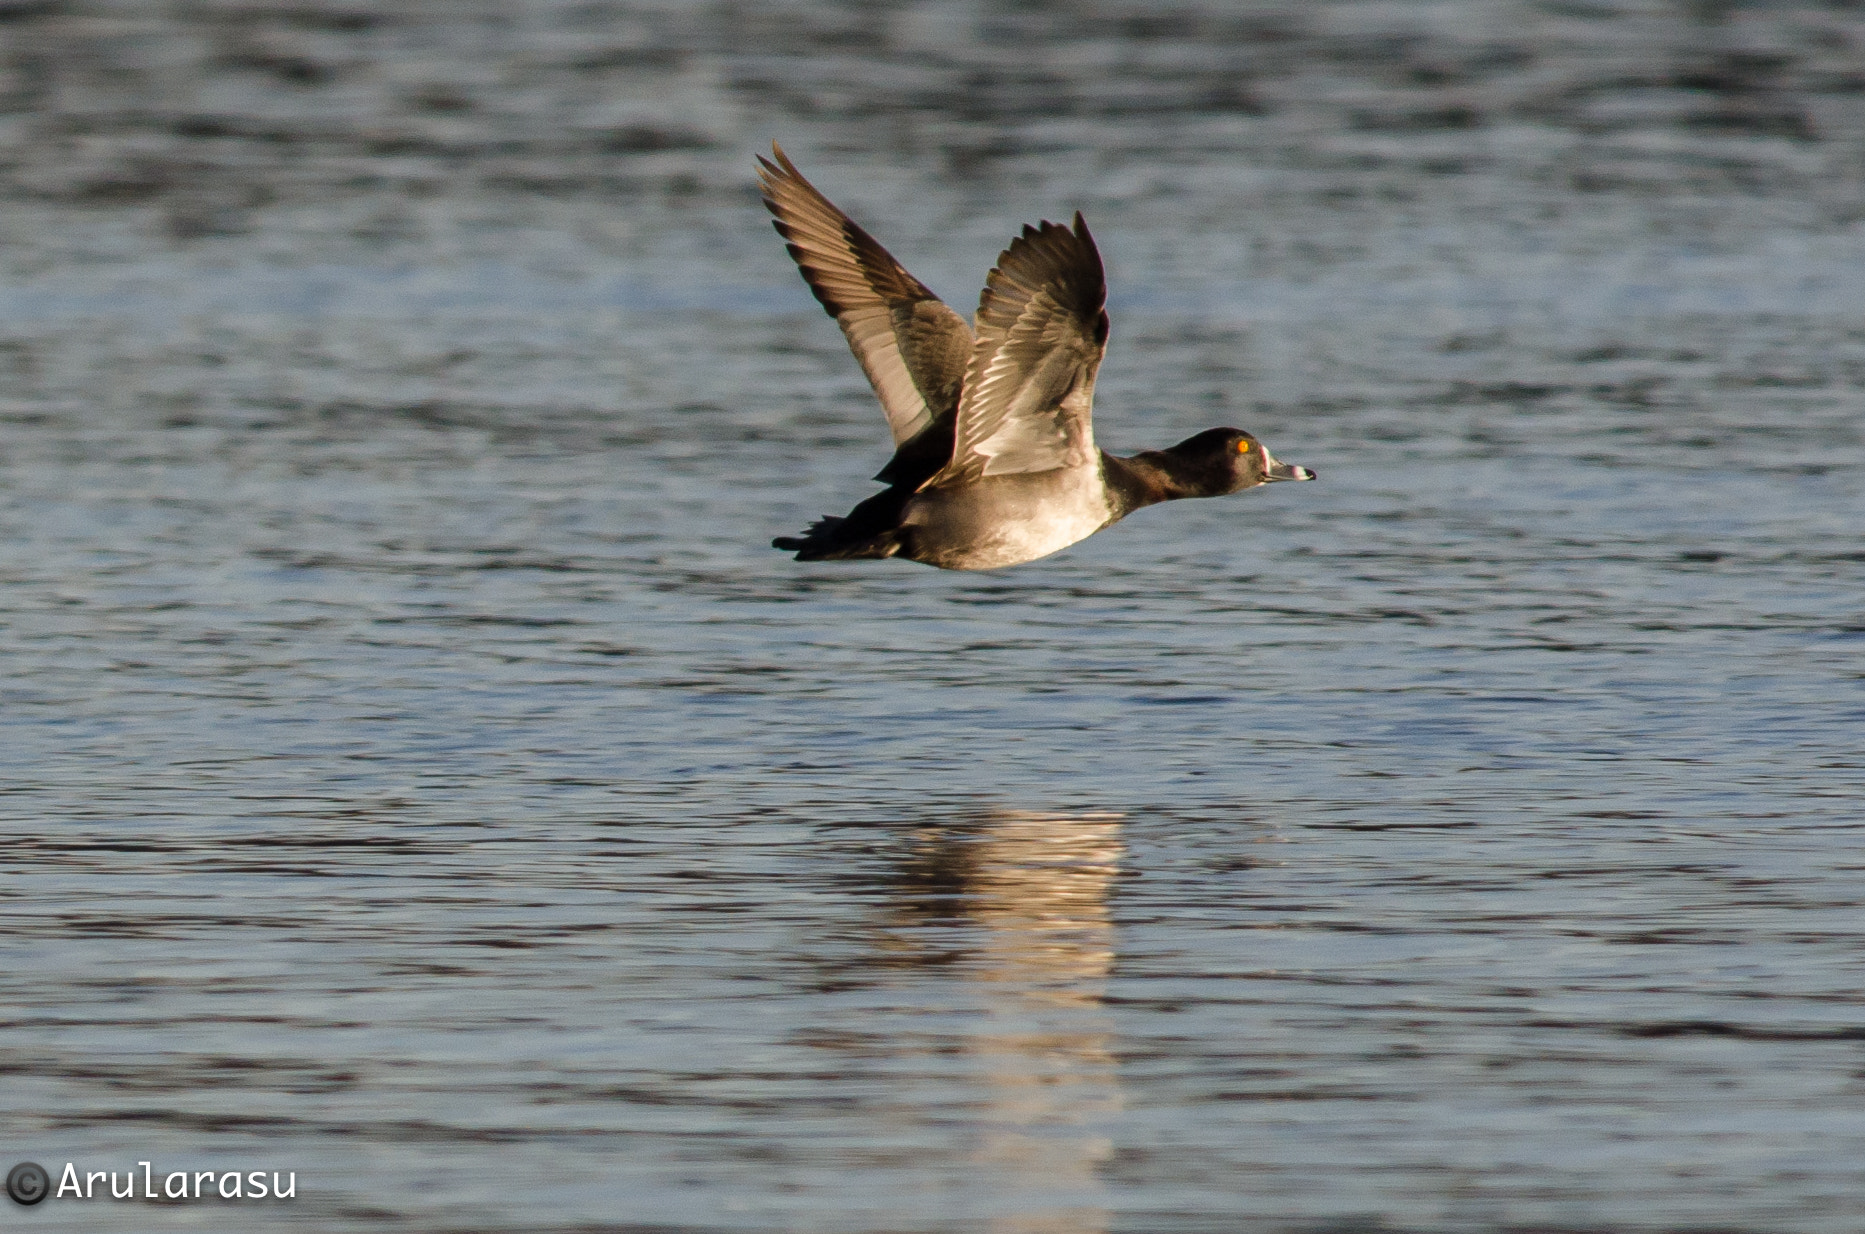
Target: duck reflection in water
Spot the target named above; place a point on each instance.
(1028, 894)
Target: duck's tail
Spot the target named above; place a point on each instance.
(827, 541)
(870, 530)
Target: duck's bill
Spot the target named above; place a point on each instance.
(1286, 471)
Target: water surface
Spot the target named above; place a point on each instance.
(420, 774)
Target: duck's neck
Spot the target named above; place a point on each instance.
(1145, 479)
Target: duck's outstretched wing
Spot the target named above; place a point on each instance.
(1029, 388)
(913, 348)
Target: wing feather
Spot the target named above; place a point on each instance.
(913, 348)
(1028, 397)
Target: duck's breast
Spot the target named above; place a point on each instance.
(1006, 520)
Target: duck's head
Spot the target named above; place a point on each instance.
(1228, 460)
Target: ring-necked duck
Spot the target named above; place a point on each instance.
(994, 461)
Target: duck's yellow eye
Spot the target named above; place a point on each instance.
(1243, 447)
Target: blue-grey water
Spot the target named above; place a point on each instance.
(420, 775)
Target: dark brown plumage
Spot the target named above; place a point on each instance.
(995, 462)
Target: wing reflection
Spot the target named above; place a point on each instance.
(1033, 888)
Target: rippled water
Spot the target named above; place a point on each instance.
(419, 774)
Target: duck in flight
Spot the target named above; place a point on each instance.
(994, 456)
